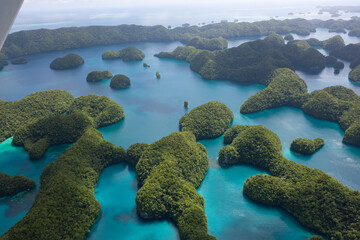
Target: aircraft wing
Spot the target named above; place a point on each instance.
(8, 11)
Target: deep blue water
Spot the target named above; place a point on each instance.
(152, 110)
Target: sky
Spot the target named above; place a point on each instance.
(49, 5)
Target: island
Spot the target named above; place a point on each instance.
(333, 43)
(66, 197)
(306, 146)
(212, 44)
(90, 111)
(310, 195)
(120, 81)
(43, 40)
(289, 37)
(330, 60)
(14, 114)
(10, 186)
(286, 88)
(354, 74)
(209, 120)
(127, 54)
(69, 61)
(145, 65)
(157, 75)
(134, 152)
(251, 62)
(18, 61)
(350, 52)
(174, 164)
(97, 76)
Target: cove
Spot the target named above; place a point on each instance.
(152, 110)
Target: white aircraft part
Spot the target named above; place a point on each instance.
(8, 11)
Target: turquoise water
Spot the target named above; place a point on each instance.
(152, 110)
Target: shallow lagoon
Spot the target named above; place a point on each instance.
(152, 110)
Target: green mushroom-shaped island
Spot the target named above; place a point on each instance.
(69, 61)
(10, 186)
(168, 172)
(120, 81)
(306, 146)
(85, 112)
(127, 54)
(96, 76)
(317, 200)
(209, 120)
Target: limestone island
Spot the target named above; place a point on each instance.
(212, 44)
(169, 171)
(120, 81)
(134, 152)
(97, 76)
(145, 65)
(354, 74)
(209, 120)
(127, 54)
(66, 196)
(18, 61)
(14, 114)
(10, 186)
(306, 146)
(237, 64)
(310, 195)
(85, 112)
(69, 61)
(157, 75)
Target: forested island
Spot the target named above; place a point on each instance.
(69, 61)
(313, 197)
(10, 186)
(176, 163)
(306, 146)
(251, 62)
(120, 81)
(209, 120)
(127, 54)
(43, 40)
(96, 76)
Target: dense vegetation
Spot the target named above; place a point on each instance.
(83, 113)
(313, 197)
(37, 136)
(286, 88)
(43, 40)
(69, 61)
(120, 81)
(209, 120)
(213, 44)
(65, 207)
(18, 61)
(96, 76)
(10, 186)
(337, 103)
(169, 171)
(349, 53)
(252, 61)
(102, 110)
(333, 43)
(306, 146)
(127, 54)
(354, 74)
(14, 114)
(134, 152)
